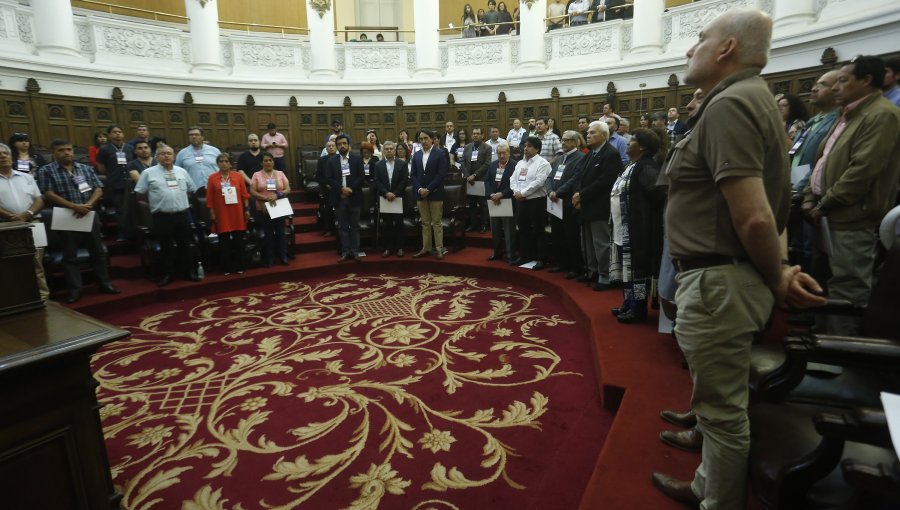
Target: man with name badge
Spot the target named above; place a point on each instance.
(198, 159)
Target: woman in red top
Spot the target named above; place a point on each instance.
(94, 150)
(269, 185)
(229, 209)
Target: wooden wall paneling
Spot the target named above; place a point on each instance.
(17, 117)
(39, 127)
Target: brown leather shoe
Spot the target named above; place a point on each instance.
(686, 419)
(679, 490)
(690, 440)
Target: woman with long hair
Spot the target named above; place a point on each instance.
(456, 152)
(506, 19)
(372, 138)
(229, 209)
(269, 185)
(25, 158)
(793, 113)
(468, 22)
(482, 31)
(100, 140)
(636, 215)
(645, 121)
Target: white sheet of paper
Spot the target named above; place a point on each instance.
(798, 173)
(395, 207)
(64, 219)
(555, 209)
(281, 208)
(891, 405)
(476, 189)
(40, 235)
(499, 211)
(529, 265)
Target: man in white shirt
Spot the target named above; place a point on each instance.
(494, 141)
(556, 12)
(515, 136)
(578, 12)
(449, 135)
(527, 185)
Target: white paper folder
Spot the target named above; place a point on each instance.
(505, 208)
(387, 207)
(65, 219)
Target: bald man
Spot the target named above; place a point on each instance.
(729, 199)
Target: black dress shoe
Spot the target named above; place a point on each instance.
(516, 262)
(165, 280)
(74, 296)
(631, 317)
(345, 257)
(538, 266)
(679, 490)
(686, 419)
(555, 269)
(690, 440)
(571, 275)
(285, 262)
(109, 289)
(585, 278)
(495, 256)
(597, 286)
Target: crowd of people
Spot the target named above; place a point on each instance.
(499, 20)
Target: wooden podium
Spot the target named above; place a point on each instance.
(52, 454)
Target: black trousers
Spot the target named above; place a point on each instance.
(173, 229)
(95, 247)
(478, 211)
(392, 229)
(231, 247)
(531, 218)
(274, 242)
(566, 238)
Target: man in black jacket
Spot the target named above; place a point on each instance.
(496, 188)
(596, 178)
(565, 233)
(391, 179)
(475, 162)
(345, 172)
(326, 206)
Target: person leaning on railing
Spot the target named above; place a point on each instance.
(506, 20)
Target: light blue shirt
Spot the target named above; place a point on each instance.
(162, 197)
(199, 163)
(621, 145)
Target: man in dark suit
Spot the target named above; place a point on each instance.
(675, 127)
(391, 179)
(429, 168)
(565, 233)
(596, 178)
(496, 188)
(326, 207)
(345, 173)
(475, 162)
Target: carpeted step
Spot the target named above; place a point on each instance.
(304, 209)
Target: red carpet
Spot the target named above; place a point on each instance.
(356, 391)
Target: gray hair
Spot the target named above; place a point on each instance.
(502, 145)
(5, 148)
(387, 144)
(752, 29)
(160, 146)
(579, 140)
(602, 126)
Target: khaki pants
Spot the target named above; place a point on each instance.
(43, 289)
(431, 213)
(719, 310)
(852, 264)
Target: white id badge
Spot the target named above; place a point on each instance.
(230, 194)
(523, 174)
(121, 159)
(171, 181)
(366, 170)
(474, 155)
(345, 169)
(459, 153)
(499, 176)
(83, 186)
(24, 165)
(270, 185)
(559, 172)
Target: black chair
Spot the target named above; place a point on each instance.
(454, 218)
(53, 253)
(368, 218)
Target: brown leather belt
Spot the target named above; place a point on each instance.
(691, 263)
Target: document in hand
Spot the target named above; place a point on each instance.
(475, 189)
(282, 207)
(65, 219)
(388, 207)
(505, 208)
(555, 209)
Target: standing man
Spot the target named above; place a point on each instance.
(20, 200)
(491, 18)
(112, 161)
(250, 161)
(143, 159)
(625, 129)
(337, 129)
(616, 140)
(608, 111)
(516, 135)
(854, 182)
(345, 174)
(275, 144)
(326, 205)
(532, 129)
(527, 185)
(391, 179)
(73, 186)
(475, 162)
(496, 188)
(578, 10)
(890, 87)
(429, 168)
(165, 187)
(596, 177)
(565, 233)
(494, 141)
(198, 159)
(449, 135)
(728, 203)
(550, 144)
(675, 127)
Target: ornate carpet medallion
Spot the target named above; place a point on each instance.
(412, 392)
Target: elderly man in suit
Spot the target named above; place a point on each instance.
(565, 232)
(496, 188)
(596, 178)
(429, 168)
(475, 162)
(345, 173)
(391, 179)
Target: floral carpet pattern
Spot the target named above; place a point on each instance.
(369, 391)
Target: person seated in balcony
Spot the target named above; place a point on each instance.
(229, 210)
(578, 10)
(505, 25)
(468, 22)
(556, 15)
(379, 38)
(491, 18)
(25, 158)
(363, 38)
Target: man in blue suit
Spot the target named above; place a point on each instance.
(345, 173)
(429, 168)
